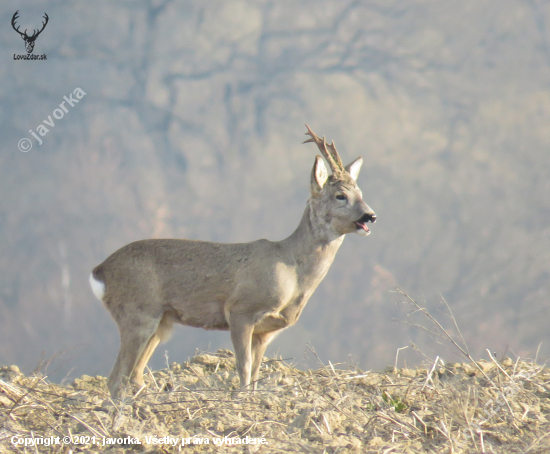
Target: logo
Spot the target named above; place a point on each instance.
(25, 143)
(29, 40)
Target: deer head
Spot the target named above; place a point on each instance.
(337, 199)
(29, 40)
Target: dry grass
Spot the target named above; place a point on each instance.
(485, 406)
(442, 408)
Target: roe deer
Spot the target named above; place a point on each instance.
(254, 290)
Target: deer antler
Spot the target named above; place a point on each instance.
(24, 35)
(35, 34)
(328, 151)
(13, 19)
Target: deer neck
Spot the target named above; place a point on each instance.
(313, 244)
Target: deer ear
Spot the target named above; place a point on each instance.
(354, 168)
(319, 175)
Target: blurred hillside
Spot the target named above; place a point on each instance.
(191, 127)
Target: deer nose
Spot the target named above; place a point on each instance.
(368, 217)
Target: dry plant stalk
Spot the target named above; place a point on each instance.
(332, 409)
(442, 333)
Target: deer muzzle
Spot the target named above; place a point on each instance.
(361, 223)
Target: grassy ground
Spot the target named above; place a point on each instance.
(473, 407)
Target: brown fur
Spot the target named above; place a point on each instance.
(254, 290)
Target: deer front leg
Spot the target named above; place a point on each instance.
(260, 341)
(241, 335)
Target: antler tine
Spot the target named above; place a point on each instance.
(335, 155)
(43, 26)
(13, 19)
(331, 156)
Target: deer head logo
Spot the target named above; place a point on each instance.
(29, 40)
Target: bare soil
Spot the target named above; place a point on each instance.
(485, 406)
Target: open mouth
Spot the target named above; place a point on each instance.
(361, 223)
(362, 226)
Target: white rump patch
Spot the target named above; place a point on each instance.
(98, 287)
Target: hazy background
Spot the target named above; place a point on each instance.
(192, 125)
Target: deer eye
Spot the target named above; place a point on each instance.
(341, 197)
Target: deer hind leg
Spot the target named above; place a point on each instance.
(137, 374)
(136, 338)
(162, 334)
(260, 341)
